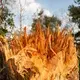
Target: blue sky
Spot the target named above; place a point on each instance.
(56, 7)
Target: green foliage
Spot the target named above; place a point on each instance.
(3, 31)
(6, 18)
(74, 12)
(52, 21)
(46, 21)
(77, 1)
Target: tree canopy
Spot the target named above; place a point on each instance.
(6, 17)
(74, 12)
(77, 1)
(46, 21)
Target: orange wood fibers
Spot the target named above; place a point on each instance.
(43, 55)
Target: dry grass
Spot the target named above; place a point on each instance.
(42, 55)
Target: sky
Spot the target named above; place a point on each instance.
(58, 8)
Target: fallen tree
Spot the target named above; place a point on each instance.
(41, 55)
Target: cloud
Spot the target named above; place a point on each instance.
(28, 5)
(47, 12)
(29, 8)
(32, 7)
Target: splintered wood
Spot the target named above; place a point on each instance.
(42, 55)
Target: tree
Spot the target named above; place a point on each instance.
(74, 12)
(77, 1)
(21, 10)
(46, 21)
(6, 17)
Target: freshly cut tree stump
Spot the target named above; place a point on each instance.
(41, 55)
